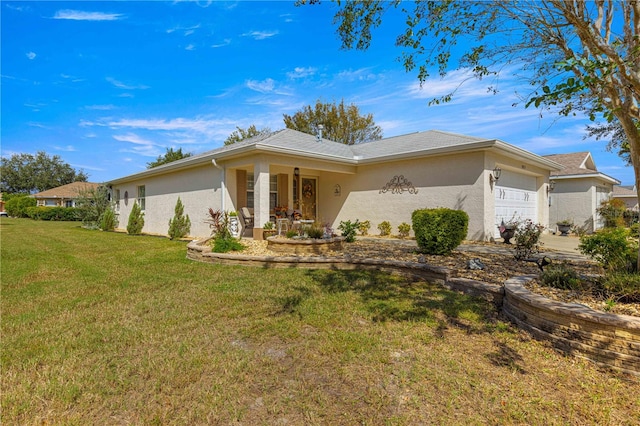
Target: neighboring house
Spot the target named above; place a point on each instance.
(578, 190)
(63, 196)
(628, 194)
(383, 180)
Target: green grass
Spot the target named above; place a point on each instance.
(106, 328)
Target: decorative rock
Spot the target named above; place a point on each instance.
(475, 264)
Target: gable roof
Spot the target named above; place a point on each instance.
(621, 191)
(70, 190)
(294, 143)
(577, 165)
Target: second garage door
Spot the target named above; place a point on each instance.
(516, 198)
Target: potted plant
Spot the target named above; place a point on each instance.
(268, 230)
(564, 226)
(507, 231)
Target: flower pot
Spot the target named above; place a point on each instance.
(234, 226)
(564, 229)
(507, 233)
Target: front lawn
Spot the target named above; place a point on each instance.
(106, 328)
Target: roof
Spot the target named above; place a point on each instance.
(577, 165)
(294, 143)
(621, 191)
(70, 190)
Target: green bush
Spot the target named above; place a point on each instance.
(222, 244)
(136, 220)
(315, 232)
(17, 205)
(384, 228)
(560, 276)
(52, 213)
(622, 286)
(611, 247)
(612, 212)
(291, 233)
(349, 229)
(404, 229)
(439, 231)
(108, 220)
(364, 227)
(180, 225)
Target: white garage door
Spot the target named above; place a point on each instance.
(516, 198)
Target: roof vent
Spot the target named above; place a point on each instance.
(319, 135)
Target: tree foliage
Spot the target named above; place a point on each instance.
(614, 134)
(136, 220)
(169, 156)
(241, 134)
(340, 123)
(91, 205)
(36, 173)
(579, 56)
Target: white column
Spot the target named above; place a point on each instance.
(260, 195)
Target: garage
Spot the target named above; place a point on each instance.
(516, 198)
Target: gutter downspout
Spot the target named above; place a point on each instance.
(222, 185)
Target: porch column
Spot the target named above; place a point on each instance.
(260, 197)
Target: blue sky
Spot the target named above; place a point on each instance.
(109, 86)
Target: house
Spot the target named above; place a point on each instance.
(63, 196)
(628, 195)
(383, 180)
(578, 189)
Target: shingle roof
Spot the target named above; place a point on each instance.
(576, 163)
(70, 190)
(624, 191)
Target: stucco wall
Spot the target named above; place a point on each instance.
(446, 181)
(575, 200)
(198, 188)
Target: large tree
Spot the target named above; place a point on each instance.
(579, 56)
(241, 134)
(26, 173)
(170, 156)
(340, 123)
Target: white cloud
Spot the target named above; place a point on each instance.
(301, 72)
(125, 86)
(31, 55)
(362, 74)
(225, 42)
(190, 47)
(141, 146)
(100, 107)
(265, 86)
(260, 35)
(68, 148)
(78, 15)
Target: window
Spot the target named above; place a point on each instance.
(50, 203)
(68, 203)
(273, 191)
(141, 197)
(117, 200)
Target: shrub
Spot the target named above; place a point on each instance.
(180, 225)
(225, 244)
(404, 229)
(527, 238)
(364, 227)
(560, 276)
(612, 212)
(219, 223)
(439, 231)
(348, 229)
(17, 205)
(52, 213)
(108, 221)
(291, 233)
(91, 205)
(611, 247)
(315, 232)
(624, 286)
(136, 220)
(384, 228)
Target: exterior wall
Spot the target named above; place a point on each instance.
(448, 181)
(198, 189)
(576, 200)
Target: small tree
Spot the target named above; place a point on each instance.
(91, 205)
(136, 220)
(180, 225)
(612, 213)
(108, 220)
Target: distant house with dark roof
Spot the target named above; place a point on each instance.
(383, 180)
(578, 190)
(628, 194)
(63, 196)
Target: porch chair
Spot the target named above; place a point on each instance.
(247, 217)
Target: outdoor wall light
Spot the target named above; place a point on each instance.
(551, 186)
(296, 172)
(493, 177)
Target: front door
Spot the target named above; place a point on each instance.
(309, 197)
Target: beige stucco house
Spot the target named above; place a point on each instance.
(578, 190)
(63, 196)
(384, 180)
(627, 194)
